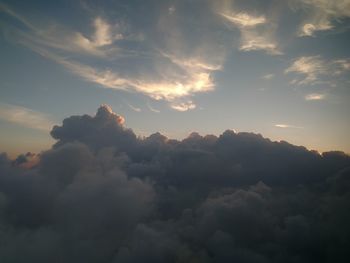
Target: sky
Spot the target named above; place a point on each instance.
(279, 68)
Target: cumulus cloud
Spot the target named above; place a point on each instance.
(102, 194)
(25, 117)
(322, 15)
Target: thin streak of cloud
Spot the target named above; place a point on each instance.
(133, 107)
(9, 11)
(268, 76)
(245, 20)
(287, 126)
(25, 117)
(152, 109)
(315, 96)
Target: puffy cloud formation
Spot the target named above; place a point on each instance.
(102, 194)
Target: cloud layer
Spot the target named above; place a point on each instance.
(102, 194)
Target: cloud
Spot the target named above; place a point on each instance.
(315, 67)
(168, 89)
(311, 67)
(102, 36)
(56, 36)
(256, 32)
(159, 70)
(322, 14)
(110, 196)
(268, 76)
(183, 106)
(152, 109)
(25, 117)
(284, 126)
(133, 107)
(315, 96)
(245, 20)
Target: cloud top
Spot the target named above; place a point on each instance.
(101, 194)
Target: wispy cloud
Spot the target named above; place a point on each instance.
(151, 108)
(25, 117)
(52, 35)
(287, 126)
(313, 67)
(268, 76)
(256, 32)
(183, 106)
(245, 20)
(133, 107)
(322, 14)
(315, 96)
(171, 75)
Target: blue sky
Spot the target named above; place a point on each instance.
(279, 68)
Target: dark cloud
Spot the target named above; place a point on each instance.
(102, 194)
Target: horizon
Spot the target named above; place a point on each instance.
(14, 155)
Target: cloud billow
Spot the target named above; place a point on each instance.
(102, 194)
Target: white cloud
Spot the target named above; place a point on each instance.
(172, 74)
(61, 38)
(268, 76)
(103, 34)
(257, 33)
(313, 67)
(25, 117)
(322, 14)
(183, 106)
(197, 80)
(133, 107)
(288, 126)
(151, 108)
(315, 96)
(245, 20)
(252, 40)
